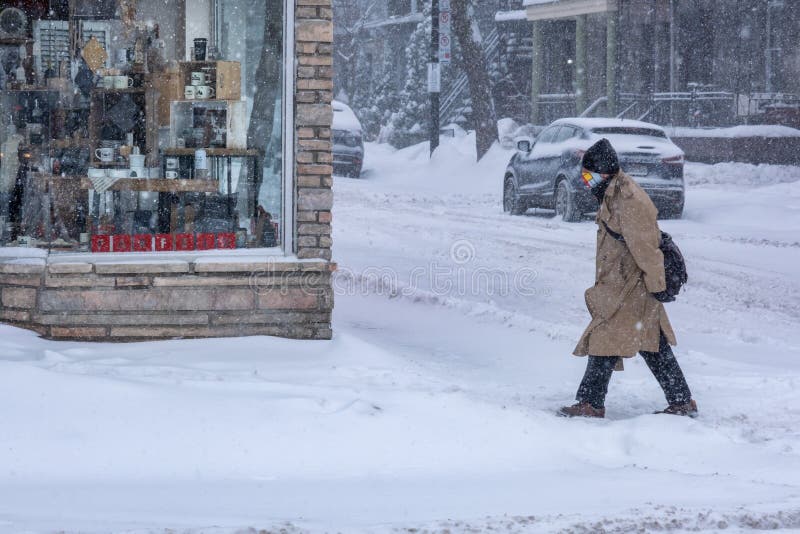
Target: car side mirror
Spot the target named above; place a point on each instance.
(525, 144)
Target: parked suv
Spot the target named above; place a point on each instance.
(348, 144)
(545, 173)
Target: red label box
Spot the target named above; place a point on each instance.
(164, 242)
(205, 241)
(101, 243)
(184, 242)
(121, 243)
(226, 240)
(142, 243)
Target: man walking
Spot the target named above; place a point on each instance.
(626, 300)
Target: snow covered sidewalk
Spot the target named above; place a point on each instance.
(433, 406)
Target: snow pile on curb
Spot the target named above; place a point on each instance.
(739, 174)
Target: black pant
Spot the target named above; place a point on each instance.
(662, 364)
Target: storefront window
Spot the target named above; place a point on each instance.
(147, 126)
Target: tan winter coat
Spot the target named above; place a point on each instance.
(626, 318)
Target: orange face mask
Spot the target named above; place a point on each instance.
(591, 179)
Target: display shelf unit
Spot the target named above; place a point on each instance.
(158, 185)
(225, 77)
(103, 103)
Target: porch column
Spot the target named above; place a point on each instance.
(536, 71)
(611, 62)
(581, 86)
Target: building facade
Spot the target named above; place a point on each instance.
(677, 62)
(166, 168)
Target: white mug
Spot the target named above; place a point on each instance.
(205, 92)
(108, 82)
(189, 92)
(137, 160)
(199, 78)
(173, 164)
(106, 155)
(171, 175)
(123, 82)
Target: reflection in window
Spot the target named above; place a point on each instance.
(118, 142)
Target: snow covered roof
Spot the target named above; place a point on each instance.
(507, 16)
(556, 9)
(414, 18)
(344, 118)
(596, 122)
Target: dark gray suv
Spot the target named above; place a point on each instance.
(348, 143)
(545, 173)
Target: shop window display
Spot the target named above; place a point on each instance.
(142, 126)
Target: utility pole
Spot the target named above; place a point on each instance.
(434, 76)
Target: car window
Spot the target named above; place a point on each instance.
(630, 130)
(564, 133)
(548, 135)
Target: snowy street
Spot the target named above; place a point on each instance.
(433, 406)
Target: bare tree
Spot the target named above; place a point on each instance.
(465, 27)
(350, 18)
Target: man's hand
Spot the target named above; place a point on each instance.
(663, 296)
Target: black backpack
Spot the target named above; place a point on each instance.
(674, 264)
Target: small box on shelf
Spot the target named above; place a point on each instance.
(225, 77)
(208, 124)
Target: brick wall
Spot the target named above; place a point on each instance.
(313, 116)
(128, 302)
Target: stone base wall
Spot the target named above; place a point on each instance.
(147, 301)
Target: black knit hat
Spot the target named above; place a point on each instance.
(601, 158)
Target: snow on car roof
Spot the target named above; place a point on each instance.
(590, 123)
(344, 118)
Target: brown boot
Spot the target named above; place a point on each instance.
(581, 409)
(688, 409)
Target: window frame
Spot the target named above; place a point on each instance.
(288, 215)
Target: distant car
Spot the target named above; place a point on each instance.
(545, 173)
(348, 143)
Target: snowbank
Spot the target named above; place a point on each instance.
(739, 174)
(756, 130)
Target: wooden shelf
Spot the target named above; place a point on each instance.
(130, 90)
(107, 165)
(31, 89)
(15, 41)
(205, 100)
(159, 185)
(213, 152)
(69, 143)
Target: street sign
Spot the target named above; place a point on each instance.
(445, 49)
(445, 22)
(434, 78)
(445, 25)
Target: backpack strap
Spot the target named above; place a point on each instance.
(613, 234)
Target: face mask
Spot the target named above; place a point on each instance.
(591, 179)
(600, 191)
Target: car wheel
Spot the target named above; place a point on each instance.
(511, 201)
(565, 203)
